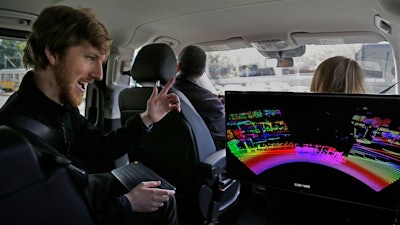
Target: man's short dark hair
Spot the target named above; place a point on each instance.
(192, 60)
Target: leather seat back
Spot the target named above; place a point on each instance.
(177, 145)
(31, 195)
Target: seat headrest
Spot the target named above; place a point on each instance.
(154, 62)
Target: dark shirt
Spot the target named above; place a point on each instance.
(208, 105)
(84, 144)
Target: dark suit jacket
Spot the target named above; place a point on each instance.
(208, 105)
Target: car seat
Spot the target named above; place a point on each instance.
(179, 147)
(32, 195)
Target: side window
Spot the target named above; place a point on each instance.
(11, 67)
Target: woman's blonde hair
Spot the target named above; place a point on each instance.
(338, 74)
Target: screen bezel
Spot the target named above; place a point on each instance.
(236, 101)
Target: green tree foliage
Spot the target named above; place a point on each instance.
(11, 53)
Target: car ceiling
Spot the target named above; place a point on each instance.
(233, 23)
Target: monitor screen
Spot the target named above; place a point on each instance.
(337, 146)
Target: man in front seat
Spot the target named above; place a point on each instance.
(191, 66)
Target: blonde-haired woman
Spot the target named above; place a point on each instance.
(338, 74)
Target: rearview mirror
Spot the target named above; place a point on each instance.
(285, 62)
(284, 54)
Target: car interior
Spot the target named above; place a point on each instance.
(195, 167)
(261, 57)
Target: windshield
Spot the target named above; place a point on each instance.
(248, 70)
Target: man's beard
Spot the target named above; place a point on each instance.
(65, 82)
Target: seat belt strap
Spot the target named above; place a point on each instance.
(33, 126)
(37, 133)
